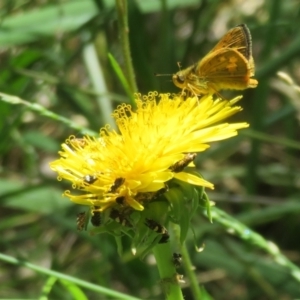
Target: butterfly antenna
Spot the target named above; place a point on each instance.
(179, 65)
(156, 74)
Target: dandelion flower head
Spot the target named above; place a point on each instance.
(154, 145)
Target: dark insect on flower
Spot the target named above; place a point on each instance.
(161, 191)
(119, 217)
(96, 217)
(149, 196)
(89, 179)
(153, 225)
(165, 238)
(180, 165)
(177, 259)
(118, 182)
(120, 200)
(80, 220)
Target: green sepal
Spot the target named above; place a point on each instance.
(202, 197)
(184, 203)
(118, 240)
(208, 205)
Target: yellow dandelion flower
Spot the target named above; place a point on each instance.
(155, 144)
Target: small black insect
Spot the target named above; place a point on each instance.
(165, 238)
(119, 217)
(153, 225)
(120, 200)
(96, 216)
(177, 259)
(180, 165)
(118, 182)
(80, 220)
(161, 191)
(89, 179)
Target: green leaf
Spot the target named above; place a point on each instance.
(40, 199)
(116, 67)
(156, 5)
(74, 290)
(40, 140)
(46, 21)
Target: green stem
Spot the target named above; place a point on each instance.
(190, 274)
(124, 33)
(45, 112)
(122, 78)
(82, 283)
(167, 272)
(286, 142)
(197, 291)
(253, 238)
(94, 69)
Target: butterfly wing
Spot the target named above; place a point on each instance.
(237, 38)
(226, 69)
(229, 65)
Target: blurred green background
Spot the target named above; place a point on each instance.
(55, 54)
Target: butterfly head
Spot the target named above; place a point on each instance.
(183, 77)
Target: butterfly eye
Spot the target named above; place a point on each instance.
(180, 78)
